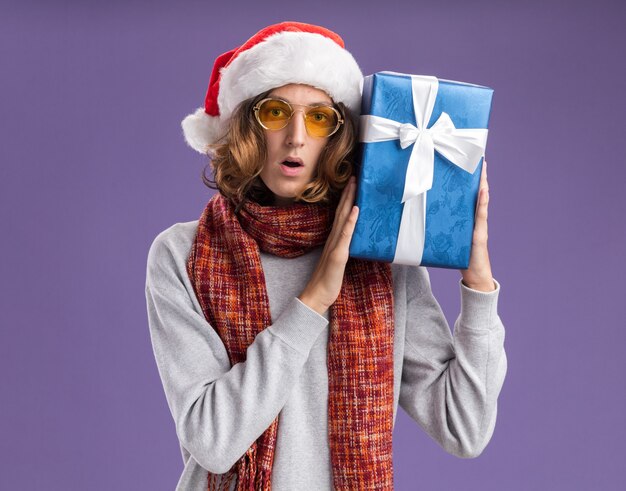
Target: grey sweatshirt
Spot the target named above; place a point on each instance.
(448, 383)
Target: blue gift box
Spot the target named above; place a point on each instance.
(435, 227)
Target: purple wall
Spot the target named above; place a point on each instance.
(94, 166)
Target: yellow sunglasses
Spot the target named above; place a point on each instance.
(320, 121)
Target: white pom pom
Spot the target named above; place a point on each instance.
(200, 130)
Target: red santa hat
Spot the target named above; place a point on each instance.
(280, 54)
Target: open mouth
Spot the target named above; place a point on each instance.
(288, 163)
(291, 168)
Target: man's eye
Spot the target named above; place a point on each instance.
(276, 112)
(319, 117)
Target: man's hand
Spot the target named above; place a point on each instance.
(478, 274)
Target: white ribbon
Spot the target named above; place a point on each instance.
(463, 147)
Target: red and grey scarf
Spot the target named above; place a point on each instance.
(225, 269)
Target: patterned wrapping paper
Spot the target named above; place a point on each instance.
(382, 167)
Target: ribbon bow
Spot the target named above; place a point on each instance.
(463, 147)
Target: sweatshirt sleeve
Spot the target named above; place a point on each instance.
(450, 383)
(219, 410)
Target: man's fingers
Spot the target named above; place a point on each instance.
(348, 227)
(343, 210)
(483, 175)
(345, 196)
(480, 227)
(341, 213)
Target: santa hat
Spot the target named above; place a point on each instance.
(280, 54)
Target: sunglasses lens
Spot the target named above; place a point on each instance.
(321, 121)
(274, 114)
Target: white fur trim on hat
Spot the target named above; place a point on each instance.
(291, 57)
(200, 130)
(280, 59)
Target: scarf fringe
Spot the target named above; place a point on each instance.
(248, 476)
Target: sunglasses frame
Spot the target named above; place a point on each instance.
(258, 105)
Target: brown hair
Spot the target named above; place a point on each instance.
(238, 158)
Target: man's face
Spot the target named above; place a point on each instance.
(293, 141)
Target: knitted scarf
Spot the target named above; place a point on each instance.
(226, 272)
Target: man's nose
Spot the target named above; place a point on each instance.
(297, 129)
